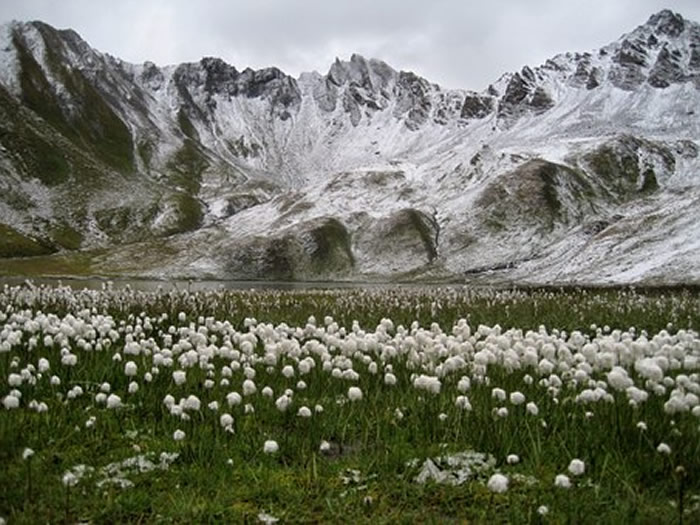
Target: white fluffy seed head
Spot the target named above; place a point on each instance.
(271, 447)
(113, 401)
(532, 408)
(249, 387)
(562, 481)
(663, 448)
(498, 394)
(179, 376)
(233, 399)
(497, 483)
(577, 467)
(69, 479)
(354, 393)
(130, 369)
(517, 398)
(226, 420)
(283, 402)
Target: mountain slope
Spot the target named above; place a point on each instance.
(582, 169)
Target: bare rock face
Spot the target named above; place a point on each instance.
(413, 100)
(668, 23)
(524, 94)
(667, 70)
(477, 106)
(629, 64)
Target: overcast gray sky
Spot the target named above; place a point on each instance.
(456, 43)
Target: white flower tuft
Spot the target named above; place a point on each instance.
(270, 447)
(562, 481)
(497, 483)
(354, 393)
(663, 448)
(577, 467)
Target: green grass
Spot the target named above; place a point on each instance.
(16, 244)
(626, 480)
(92, 123)
(59, 264)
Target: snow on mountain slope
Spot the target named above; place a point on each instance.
(582, 169)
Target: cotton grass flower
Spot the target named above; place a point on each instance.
(192, 403)
(69, 479)
(113, 401)
(463, 403)
(179, 435)
(517, 398)
(562, 481)
(226, 420)
(249, 387)
(497, 483)
(498, 394)
(304, 412)
(234, 399)
(512, 459)
(271, 447)
(464, 384)
(663, 448)
(130, 369)
(428, 383)
(577, 467)
(283, 402)
(179, 377)
(27, 453)
(354, 393)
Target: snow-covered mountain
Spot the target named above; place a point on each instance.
(583, 169)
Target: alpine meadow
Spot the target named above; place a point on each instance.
(240, 296)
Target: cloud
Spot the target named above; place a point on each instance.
(452, 42)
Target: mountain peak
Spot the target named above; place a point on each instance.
(667, 22)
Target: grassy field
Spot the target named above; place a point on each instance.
(385, 405)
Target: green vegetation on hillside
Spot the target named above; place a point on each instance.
(16, 244)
